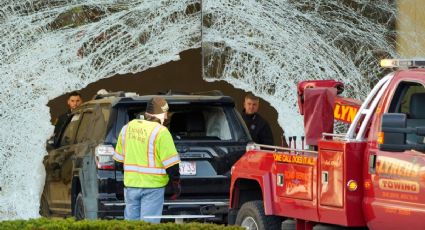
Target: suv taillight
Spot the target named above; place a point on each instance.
(103, 157)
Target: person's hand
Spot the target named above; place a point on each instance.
(177, 189)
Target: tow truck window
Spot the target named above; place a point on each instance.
(405, 105)
(401, 100)
(409, 99)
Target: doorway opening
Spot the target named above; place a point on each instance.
(179, 76)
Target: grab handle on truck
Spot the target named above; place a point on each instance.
(372, 163)
(325, 177)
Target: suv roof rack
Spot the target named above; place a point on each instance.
(209, 93)
(171, 92)
(204, 93)
(105, 94)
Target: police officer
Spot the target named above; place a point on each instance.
(258, 127)
(74, 100)
(150, 160)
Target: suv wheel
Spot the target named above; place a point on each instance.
(79, 212)
(251, 216)
(44, 207)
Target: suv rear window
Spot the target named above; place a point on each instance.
(189, 122)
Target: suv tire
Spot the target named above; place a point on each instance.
(251, 216)
(79, 212)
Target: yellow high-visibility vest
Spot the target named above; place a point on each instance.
(146, 148)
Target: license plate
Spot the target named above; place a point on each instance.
(187, 168)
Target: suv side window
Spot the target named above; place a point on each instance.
(84, 127)
(100, 121)
(70, 130)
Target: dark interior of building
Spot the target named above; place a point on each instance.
(179, 76)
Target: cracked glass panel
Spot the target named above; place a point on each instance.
(48, 48)
(267, 47)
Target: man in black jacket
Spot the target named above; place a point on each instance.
(74, 100)
(258, 127)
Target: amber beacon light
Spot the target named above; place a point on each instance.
(402, 63)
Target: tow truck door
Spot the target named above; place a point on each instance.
(394, 184)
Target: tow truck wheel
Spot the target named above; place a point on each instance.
(79, 212)
(252, 217)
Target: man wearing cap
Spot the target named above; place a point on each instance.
(150, 159)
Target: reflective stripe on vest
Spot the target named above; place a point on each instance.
(118, 156)
(171, 161)
(151, 146)
(144, 170)
(124, 131)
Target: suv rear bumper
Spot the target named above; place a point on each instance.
(114, 209)
(111, 209)
(197, 206)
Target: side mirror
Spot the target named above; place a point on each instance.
(393, 127)
(420, 131)
(391, 122)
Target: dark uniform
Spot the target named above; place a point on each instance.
(258, 128)
(61, 122)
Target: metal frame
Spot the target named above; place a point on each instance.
(275, 148)
(367, 109)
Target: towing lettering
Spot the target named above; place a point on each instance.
(399, 185)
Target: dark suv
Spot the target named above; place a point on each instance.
(83, 180)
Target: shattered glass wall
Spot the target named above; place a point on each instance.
(267, 47)
(48, 48)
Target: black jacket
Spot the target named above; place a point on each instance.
(61, 122)
(258, 128)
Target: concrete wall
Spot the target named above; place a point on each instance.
(410, 26)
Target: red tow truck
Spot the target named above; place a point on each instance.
(372, 177)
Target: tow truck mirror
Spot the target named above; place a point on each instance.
(420, 131)
(394, 132)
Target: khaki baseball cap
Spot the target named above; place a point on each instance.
(157, 105)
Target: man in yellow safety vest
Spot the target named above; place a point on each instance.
(150, 159)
